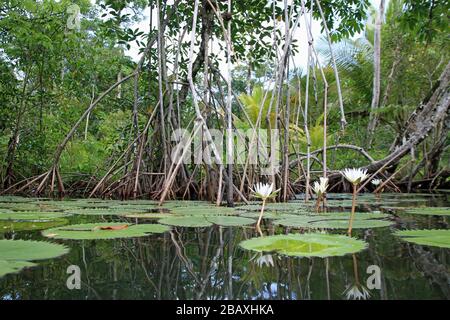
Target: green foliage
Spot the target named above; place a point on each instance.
(18, 254)
(306, 245)
(93, 231)
(189, 222)
(335, 221)
(433, 238)
(432, 211)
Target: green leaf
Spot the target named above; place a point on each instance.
(231, 221)
(31, 216)
(336, 221)
(92, 231)
(7, 267)
(204, 211)
(434, 238)
(306, 245)
(189, 222)
(435, 211)
(7, 226)
(22, 250)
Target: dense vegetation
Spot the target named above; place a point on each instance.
(50, 74)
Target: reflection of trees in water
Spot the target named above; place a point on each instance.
(207, 263)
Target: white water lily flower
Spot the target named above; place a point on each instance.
(321, 187)
(265, 260)
(264, 191)
(356, 292)
(376, 182)
(355, 176)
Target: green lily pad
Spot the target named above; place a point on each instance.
(7, 267)
(18, 254)
(433, 238)
(150, 215)
(204, 211)
(306, 245)
(31, 216)
(24, 250)
(92, 231)
(270, 207)
(7, 226)
(231, 221)
(433, 211)
(189, 222)
(336, 221)
(30, 207)
(103, 212)
(182, 203)
(268, 215)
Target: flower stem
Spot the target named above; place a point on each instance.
(353, 211)
(318, 204)
(260, 216)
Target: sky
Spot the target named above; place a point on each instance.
(299, 60)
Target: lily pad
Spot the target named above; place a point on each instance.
(433, 211)
(433, 238)
(31, 216)
(270, 207)
(7, 267)
(189, 222)
(204, 211)
(268, 215)
(231, 221)
(94, 231)
(306, 245)
(7, 226)
(18, 254)
(30, 207)
(104, 212)
(150, 215)
(182, 203)
(336, 221)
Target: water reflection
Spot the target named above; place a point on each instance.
(207, 263)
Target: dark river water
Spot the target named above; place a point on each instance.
(207, 263)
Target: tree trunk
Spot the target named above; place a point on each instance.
(376, 74)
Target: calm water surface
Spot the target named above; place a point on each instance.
(207, 263)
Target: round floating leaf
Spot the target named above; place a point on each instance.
(343, 224)
(268, 215)
(104, 212)
(93, 231)
(433, 238)
(31, 216)
(203, 211)
(150, 215)
(31, 207)
(270, 207)
(231, 221)
(189, 222)
(23, 250)
(181, 203)
(7, 226)
(306, 245)
(141, 207)
(7, 267)
(434, 211)
(336, 221)
(17, 254)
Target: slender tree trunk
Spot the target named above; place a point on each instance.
(376, 74)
